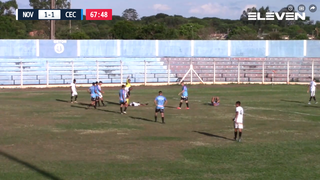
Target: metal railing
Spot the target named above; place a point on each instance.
(166, 71)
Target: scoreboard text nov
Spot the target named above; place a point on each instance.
(49, 14)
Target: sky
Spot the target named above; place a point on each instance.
(225, 9)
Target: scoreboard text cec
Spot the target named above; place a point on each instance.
(63, 14)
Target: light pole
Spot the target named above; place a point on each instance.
(70, 20)
(52, 22)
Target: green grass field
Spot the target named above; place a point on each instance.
(43, 136)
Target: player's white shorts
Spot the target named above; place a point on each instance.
(74, 93)
(100, 95)
(238, 125)
(313, 93)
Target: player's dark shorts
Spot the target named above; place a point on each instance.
(93, 98)
(184, 98)
(159, 110)
(122, 102)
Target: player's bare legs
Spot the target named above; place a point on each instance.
(162, 116)
(155, 117)
(125, 108)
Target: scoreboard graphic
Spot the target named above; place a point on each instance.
(63, 14)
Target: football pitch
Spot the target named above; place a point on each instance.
(43, 136)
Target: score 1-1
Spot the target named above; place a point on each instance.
(98, 14)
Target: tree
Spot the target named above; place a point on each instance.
(190, 30)
(130, 14)
(46, 4)
(302, 36)
(124, 30)
(8, 7)
(12, 29)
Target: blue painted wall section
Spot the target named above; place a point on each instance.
(98, 48)
(313, 49)
(248, 48)
(210, 48)
(132, 48)
(147, 48)
(174, 48)
(17, 48)
(58, 48)
(286, 48)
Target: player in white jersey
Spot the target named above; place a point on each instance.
(312, 90)
(100, 93)
(238, 121)
(127, 90)
(74, 91)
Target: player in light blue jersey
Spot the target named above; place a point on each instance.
(160, 103)
(93, 93)
(184, 96)
(123, 99)
(97, 93)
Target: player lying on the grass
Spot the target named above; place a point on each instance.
(100, 92)
(137, 104)
(123, 100)
(74, 91)
(184, 96)
(238, 121)
(92, 92)
(215, 101)
(312, 89)
(160, 103)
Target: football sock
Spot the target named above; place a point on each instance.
(102, 102)
(155, 118)
(71, 98)
(314, 98)
(187, 104)
(310, 98)
(235, 135)
(76, 98)
(162, 119)
(96, 104)
(125, 108)
(240, 133)
(180, 104)
(121, 109)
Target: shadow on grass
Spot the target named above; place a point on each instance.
(95, 109)
(139, 118)
(113, 103)
(299, 102)
(212, 135)
(60, 100)
(311, 106)
(30, 166)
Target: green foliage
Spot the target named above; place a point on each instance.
(46, 4)
(124, 30)
(10, 28)
(8, 7)
(79, 35)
